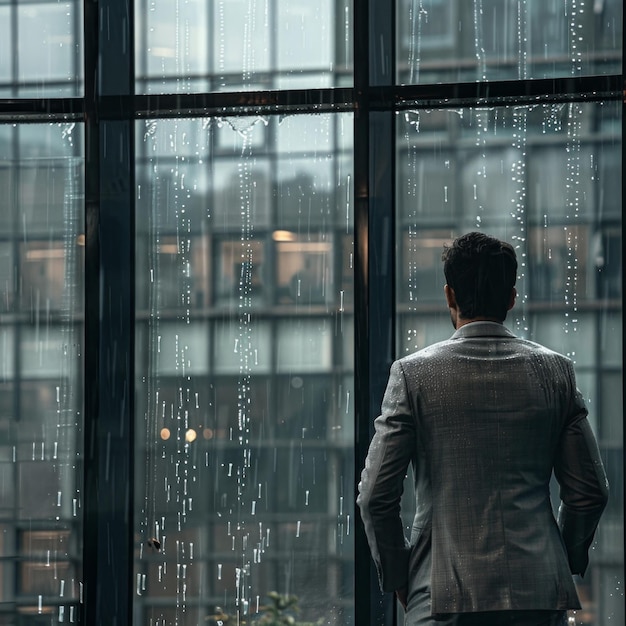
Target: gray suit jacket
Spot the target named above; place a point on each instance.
(484, 418)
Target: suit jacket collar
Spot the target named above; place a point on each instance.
(482, 329)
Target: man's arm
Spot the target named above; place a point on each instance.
(583, 484)
(382, 481)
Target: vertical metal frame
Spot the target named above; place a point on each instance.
(623, 77)
(374, 226)
(109, 309)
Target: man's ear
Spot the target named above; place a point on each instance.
(450, 297)
(512, 299)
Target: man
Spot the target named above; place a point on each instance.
(484, 418)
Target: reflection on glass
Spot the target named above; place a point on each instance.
(471, 40)
(244, 370)
(538, 177)
(41, 295)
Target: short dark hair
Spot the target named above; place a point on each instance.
(482, 271)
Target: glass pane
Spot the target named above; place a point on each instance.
(41, 389)
(470, 40)
(242, 45)
(542, 178)
(244, 369)
(5, 51)
(41, 49)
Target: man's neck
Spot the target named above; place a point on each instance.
(461, 321)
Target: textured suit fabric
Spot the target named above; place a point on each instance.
(419, 615)
(484, 418)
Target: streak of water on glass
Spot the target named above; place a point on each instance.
(573, 204)
(417, 17)
(479, 50)
(244, 125)
(518, 213)
(522, 39)
(174, 347)
(347, 21)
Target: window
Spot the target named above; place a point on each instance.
(220, 222)
(239, 366)
(41, 386)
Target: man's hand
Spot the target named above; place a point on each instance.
(401, 594)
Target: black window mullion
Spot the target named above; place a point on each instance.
(109, 313)
(374, 300)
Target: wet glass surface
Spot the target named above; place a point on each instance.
(41, 49)
(242, 45)
(540, 177)
(244, 369)
(41, 388)
(442, 41)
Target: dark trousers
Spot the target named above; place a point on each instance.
(419, 615)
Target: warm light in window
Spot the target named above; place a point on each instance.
(190, 435)
(305, 246)
(169, 53)
(165, 434)
(207, 433)
(283, 235)
(44, 254)
(168, 248)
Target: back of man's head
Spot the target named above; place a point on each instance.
(482, 271)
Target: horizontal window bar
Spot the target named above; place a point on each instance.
(445, 95)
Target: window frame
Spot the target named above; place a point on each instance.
(109, 110)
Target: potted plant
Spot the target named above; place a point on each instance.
(280, 611)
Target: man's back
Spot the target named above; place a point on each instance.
(485, 417)
(490, 418)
